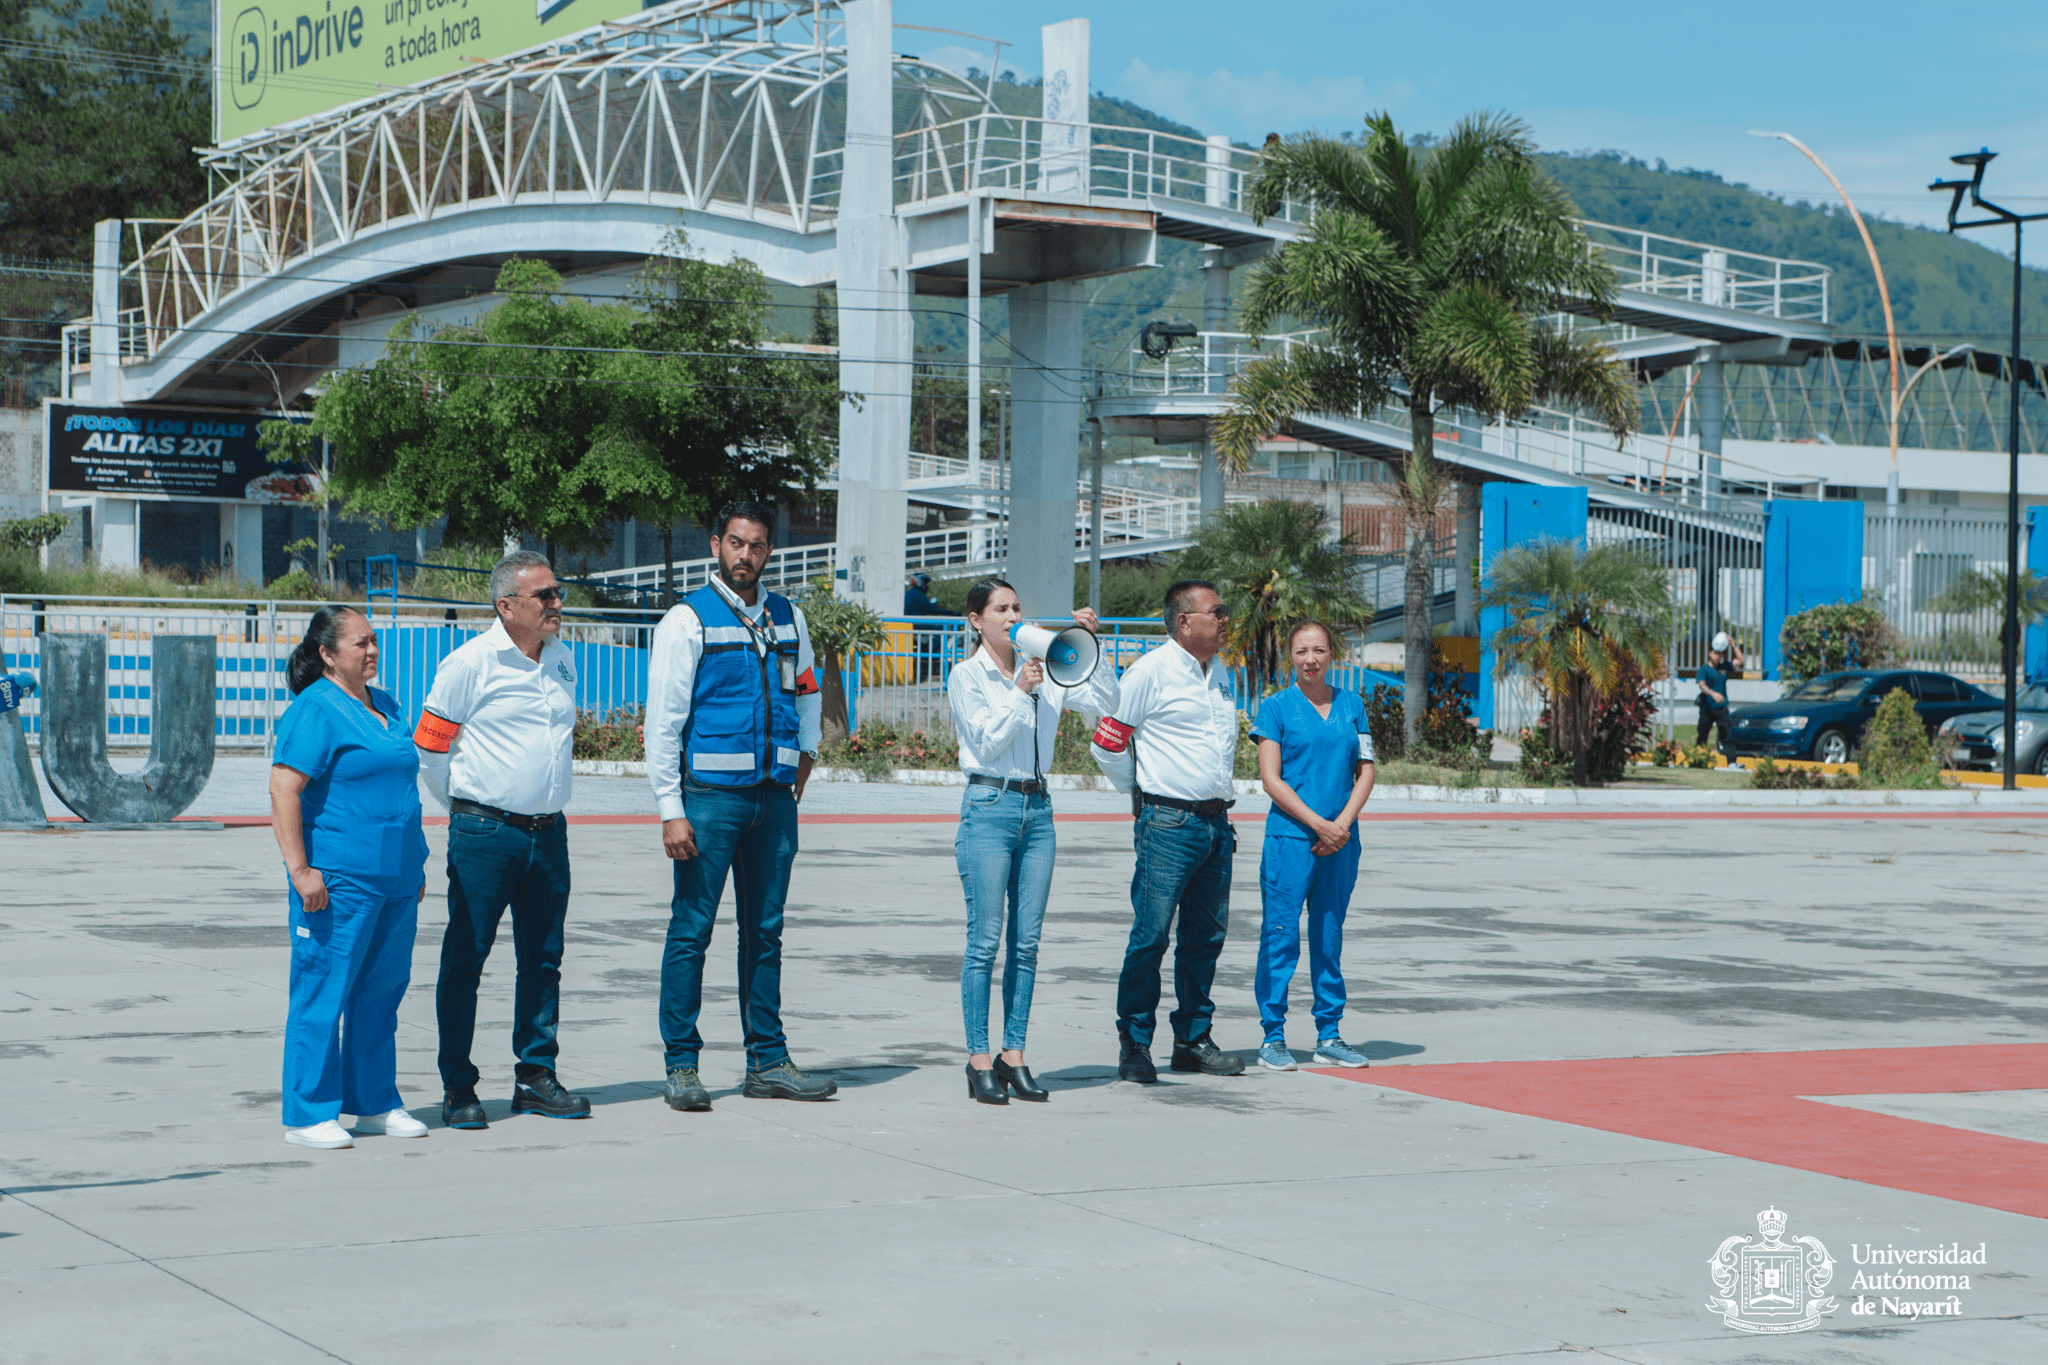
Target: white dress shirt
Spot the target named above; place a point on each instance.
(1184, 724)
(672, 682)
(997, 723)
(518, 723)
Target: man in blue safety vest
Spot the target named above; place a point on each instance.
(733, 716)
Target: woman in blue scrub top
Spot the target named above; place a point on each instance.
(345, 806)
(1316, 760)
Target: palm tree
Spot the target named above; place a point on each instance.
(1575, 616)
(1425, 269)
(1275, 563)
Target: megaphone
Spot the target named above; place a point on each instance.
(1070, 655)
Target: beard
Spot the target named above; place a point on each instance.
(738, 572)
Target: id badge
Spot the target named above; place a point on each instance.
(787, 663)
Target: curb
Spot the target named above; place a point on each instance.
(908, 777)
(1607, 798)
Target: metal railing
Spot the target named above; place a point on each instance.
(1699, 272)
(1910, 562)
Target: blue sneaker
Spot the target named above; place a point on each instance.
(1336, 1052)
(1274, 1056)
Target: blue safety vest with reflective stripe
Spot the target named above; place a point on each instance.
(742, 727)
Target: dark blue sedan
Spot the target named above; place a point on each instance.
(1823, 718)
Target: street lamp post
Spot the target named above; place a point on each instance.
(1974, 187)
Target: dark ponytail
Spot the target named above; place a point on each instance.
(977, 603)
(322, 632)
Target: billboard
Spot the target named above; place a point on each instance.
(179, 454)
(281, 60)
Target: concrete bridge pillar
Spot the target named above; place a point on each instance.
(875, 344)
(1045, 419)
(1215, 318)
(1712, 399)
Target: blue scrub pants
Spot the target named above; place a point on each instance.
(1183, 866)
(1289, 875)
(351, 964)
(749, 834)
(1004, 851)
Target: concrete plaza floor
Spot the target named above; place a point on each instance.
(150, 1211)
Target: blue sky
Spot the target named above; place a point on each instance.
(1885, 92)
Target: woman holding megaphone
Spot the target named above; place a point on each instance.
(1007, 696)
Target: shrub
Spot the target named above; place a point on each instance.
(878, 748)
(1668, 753)
(1389, 728)
(1699, 756)
(1835, 636)
(32, 533)
(1895, 751)
(615, 737)
(1621, 717)
(1769, 776)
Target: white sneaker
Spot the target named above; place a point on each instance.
(325, 1136)
(397, 1123)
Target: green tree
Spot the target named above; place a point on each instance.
(1275, 563)
(1577, 618)
(558, 417)
(1425, 269)
(1895, 750)
(840, 628)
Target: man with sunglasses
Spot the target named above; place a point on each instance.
(494, 744)
(1172, 745)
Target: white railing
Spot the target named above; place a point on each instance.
(991, 150)
(1698, 272)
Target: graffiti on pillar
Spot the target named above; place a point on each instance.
(21, 801)
(181, 724)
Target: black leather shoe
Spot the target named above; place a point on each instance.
(536, 1091)
(684, 1091)
(1134, 1063)
(784, 1082)
(983, 1087)
(1201, 1055)
(460, 1108)
(1018, 1079)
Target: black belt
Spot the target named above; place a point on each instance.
(533, 824)
(1208, 810)
(1008, 784)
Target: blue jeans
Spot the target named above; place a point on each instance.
(1290, 875)
(351, 964)
(1183, 865)
(749, 832)
(491, 866)
(1005, 851)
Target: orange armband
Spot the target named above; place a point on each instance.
(1113, 735)
(435, 734)
(806, 682)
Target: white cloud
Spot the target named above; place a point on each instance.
(1249, 106)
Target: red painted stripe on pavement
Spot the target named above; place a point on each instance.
(1748, 1105)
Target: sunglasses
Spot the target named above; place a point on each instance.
(544, 595)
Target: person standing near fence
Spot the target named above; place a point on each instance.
(1007, 714)
(495, 742)
(733, 719)
(345, 808)
(1316, 760)
(1713, 697)
(1172, 744)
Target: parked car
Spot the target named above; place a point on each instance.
(1976, 739)
(1823, 718)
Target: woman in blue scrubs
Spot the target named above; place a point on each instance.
(345, 806)
(1316, 760)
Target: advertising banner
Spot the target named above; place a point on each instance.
(183, 454)
(285, 59)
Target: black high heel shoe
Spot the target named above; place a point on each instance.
(983, 1087)
(1018, 1078)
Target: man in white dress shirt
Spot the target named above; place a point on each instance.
(1173, 743)
(494, 745)
(733, 715)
